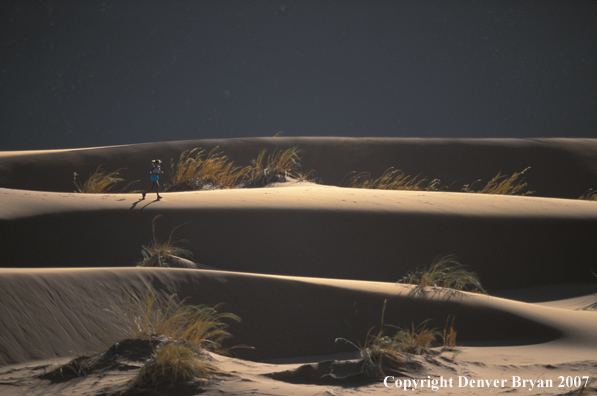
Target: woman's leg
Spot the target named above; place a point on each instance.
(153, 184)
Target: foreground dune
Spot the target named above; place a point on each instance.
(303, 264)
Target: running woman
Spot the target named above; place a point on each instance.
(155, 171)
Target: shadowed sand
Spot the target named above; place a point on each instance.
(303, 264)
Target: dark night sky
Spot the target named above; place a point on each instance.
(90, 73)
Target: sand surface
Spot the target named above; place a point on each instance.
(304, 264)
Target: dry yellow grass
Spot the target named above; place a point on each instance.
(503, 185)
(99, 182)
(384, 355)
(449, 334)
(191, 328)
(275, 167)
(174, 362)
(391, 179)
(156, 253)
(193, 170)
(589, 195)
(447, 272)
(142, 317)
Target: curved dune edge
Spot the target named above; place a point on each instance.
(65, 311)
(311, 230)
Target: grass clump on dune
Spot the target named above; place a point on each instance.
(275, 167)
(191, 330)
(391, 179)
(99, 182)
(503, 185)
(156, 253)
(172, 363)
(385, 355)
(193, 171)
(446, 272)
(590, 195)
(142, 317)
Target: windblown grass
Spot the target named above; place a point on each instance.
(193, 170)
(391, 179)
(384, 355)
(449, 335)
(275, 167)
(503, 185)
(589, 195)
(99, 182)
(201, 325)
(445, 272)
(156, 253)
(174, 362)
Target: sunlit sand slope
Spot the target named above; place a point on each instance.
(310, 231)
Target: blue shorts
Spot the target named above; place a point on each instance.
(155, 178)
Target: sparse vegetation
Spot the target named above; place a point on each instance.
(203, 326)
(391, 179)
(99, 182)
(179, 334)
(193, 172)
(278, 165)
(156, 253)
(447, 272)
(384, 355)
(381, 355)
(502, 184)
(174, 362)
(415, 341)
(191, 330)
(589, 195)
(449, 335)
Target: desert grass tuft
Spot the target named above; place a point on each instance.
(380, 356)
(391, 179)
(503, 185)
(416, 340)
(174, 362)
(193, 170)
(274, 167)
(190, 329)
(99, 182)
(589, 195)
(201, 325)
(449, 334)
(383, 355)
(156, 253)
(446, 272)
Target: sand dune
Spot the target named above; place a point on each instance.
(309, 230)
(303, 264)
